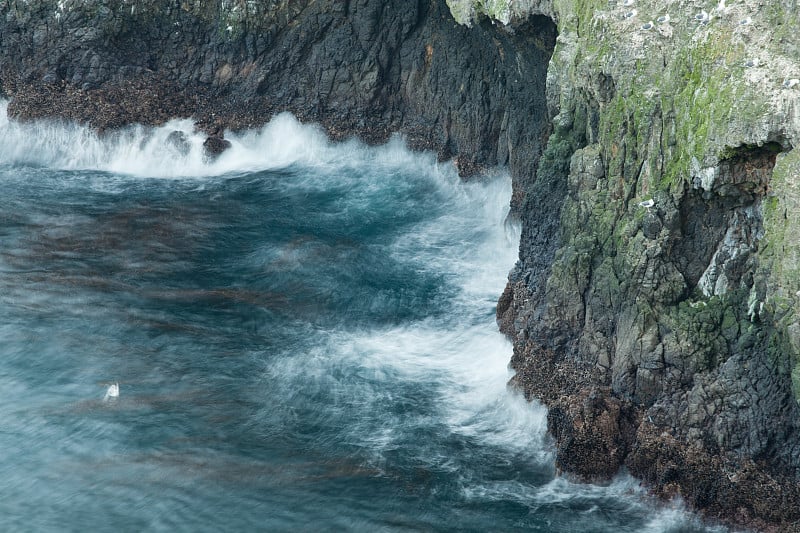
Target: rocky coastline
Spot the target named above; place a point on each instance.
(366, 69)
(669, 308)
(654, 305)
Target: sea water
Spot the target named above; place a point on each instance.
(302, 334)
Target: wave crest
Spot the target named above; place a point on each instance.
(175, 149)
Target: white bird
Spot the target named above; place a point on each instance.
(112, 391)
(702, 17)
(630, 14)
(789, 83)
(648, 25)
(647, 203)
(663, 19)
(745, 21)
(628, 3)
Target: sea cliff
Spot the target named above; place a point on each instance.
(667, 304)
(654, 305)
(476, 96)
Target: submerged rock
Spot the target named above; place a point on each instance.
(178, 141)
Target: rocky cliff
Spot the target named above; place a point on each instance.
(666, 302)
(357, 67)
(654, 304)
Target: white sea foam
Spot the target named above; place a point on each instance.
(151, 152)
(624, 494)
(465, 369)
(459, 360)
(458, 364)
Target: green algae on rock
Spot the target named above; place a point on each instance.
(683, 312)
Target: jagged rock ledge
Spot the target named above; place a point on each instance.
(363, 68)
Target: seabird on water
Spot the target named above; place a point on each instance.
(112, 391)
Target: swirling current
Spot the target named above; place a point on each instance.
(302, 332)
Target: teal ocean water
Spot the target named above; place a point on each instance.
(303, 335)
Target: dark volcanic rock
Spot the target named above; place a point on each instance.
(648, 332)
(359, 68)
(215, 145)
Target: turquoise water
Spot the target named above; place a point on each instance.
(303, 335)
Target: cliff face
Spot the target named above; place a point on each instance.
(666, 300)
(357, 67)
(654, 304)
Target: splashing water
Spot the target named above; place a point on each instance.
(305, 331)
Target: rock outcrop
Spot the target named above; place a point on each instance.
(666, 299)
(359, 67)
(654, 304)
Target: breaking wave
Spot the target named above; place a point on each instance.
(303, 334)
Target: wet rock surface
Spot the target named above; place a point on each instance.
(215, 145)
(657, 318)
(653, 348)
(361, 68)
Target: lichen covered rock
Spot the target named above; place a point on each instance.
(671, 284)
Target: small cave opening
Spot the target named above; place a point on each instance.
(746, 169)
(721, 220)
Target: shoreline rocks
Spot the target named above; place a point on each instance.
(366, 69)
(659, 320)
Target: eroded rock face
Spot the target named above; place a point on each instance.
(359, 68)
(668, 290)
(653, 346)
